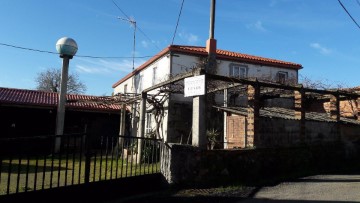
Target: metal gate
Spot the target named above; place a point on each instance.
(32, 164)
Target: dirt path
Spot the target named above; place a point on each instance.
(320, 188)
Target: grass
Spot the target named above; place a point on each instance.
(50, 172)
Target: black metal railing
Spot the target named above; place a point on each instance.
(31, 163)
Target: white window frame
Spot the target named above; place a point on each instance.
(154, 78)
(238, 71)
(139, 83)
(148, 126)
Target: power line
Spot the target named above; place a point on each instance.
(28, 49)
(128, 18)
(358, 2)
(148, 38)
(177, 23)
(349, 14)
(82, 56)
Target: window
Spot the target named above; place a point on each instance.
(238, 71)
(154, 75)
(125, 89)
(138, 83)
(282, 77)
(148, 128)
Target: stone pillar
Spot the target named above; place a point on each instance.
(335, 113)
(335, 107)
(141, 125)
(299, 97)
(225, 117)
(253, 111)
(122, 120)
(199, 122)
(134, 120)
(122, 125)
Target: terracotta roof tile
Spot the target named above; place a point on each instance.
(12, 96)
(221, 54)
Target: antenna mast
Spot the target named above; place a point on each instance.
(133, 23)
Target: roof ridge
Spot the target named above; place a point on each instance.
(46, 92)
(16, 96)
(222, 54)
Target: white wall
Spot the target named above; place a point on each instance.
(146, 75)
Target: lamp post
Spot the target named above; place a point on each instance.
(67, 48)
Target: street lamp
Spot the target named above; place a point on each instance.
(67, 48)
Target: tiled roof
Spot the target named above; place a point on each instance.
(12, 96)
(289, 114)
(223, 54)
(220, 54)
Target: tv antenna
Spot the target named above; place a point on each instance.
(133, 23)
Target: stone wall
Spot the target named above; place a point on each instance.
(282, 132)
(190, 165)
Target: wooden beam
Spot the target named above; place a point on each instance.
(172, 80)
(281, 86)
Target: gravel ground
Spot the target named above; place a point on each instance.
(208, 195)
(319, 188)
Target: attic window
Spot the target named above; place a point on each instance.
(125, 89)
(238, 71)
(282, 77)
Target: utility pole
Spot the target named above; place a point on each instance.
(199, 138)
(67, 48)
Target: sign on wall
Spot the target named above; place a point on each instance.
(194, 86)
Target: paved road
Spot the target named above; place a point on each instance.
(320, 188)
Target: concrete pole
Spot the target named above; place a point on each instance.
(60, 116)
(199, 138)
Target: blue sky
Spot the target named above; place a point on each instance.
(317, 34)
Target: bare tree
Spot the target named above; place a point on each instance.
(50, 79)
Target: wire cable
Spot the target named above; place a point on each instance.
(28, 49)
(121, 10)
(177, 23)
(138, 28)
(349, 14)
(82, 56)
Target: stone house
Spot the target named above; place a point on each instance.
(177, 59)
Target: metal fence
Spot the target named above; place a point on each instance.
(31, 163)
